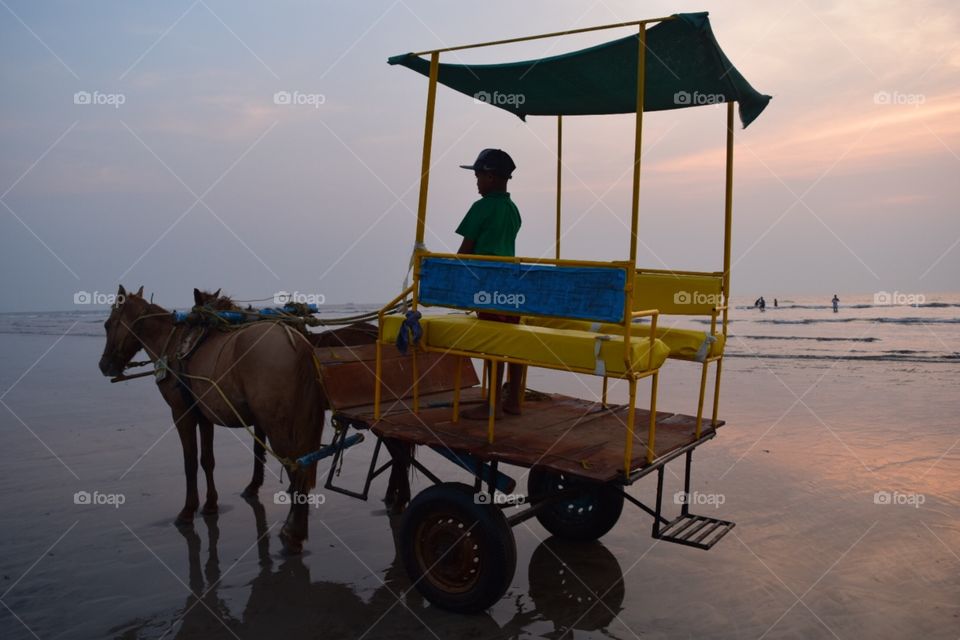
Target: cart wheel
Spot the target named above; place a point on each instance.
(584, 517)
(459, 554)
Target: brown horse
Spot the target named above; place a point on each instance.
(265, 375)
(215, 302)
(359, 333)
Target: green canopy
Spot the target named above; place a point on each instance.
(684, 68)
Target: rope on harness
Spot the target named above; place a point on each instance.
(410, 331)
(228, 320)
(291, 465)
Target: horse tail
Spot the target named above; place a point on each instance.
(313, 404)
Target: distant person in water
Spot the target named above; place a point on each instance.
(763, 304)
(775, 303)
(836, 303)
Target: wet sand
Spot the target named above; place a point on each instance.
(813, 554)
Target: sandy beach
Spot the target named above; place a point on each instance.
(809, 446)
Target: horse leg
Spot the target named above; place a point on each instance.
(186, 429)
(294, 530)
(259, 459)
(398, 487)
(207, 462)
(403, 479)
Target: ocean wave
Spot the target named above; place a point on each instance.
(834, 320)
(925, 305)
(910, 320)
(815, 338)
(948, 358)
(97, 332)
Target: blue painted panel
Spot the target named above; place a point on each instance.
(584, 293)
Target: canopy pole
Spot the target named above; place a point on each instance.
(637, 144)
(559, 167)
(728, 215)
(418, 246)
(427, 144)
(548, 35)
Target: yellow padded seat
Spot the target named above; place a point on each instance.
(684, 344)
(548, 347)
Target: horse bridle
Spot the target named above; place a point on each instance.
(130, 332)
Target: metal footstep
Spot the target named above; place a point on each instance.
(695, 531)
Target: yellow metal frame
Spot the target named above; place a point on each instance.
(629, 314)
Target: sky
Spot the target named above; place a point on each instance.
(141, 143)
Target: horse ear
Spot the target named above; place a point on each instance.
(121, 291)
(196, 296)
(140, 291)
(216, 294)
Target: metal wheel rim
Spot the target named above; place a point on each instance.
(578, 509)
(449, 552)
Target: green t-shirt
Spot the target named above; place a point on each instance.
(492, 223)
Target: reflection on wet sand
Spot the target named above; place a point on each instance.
(575, 586)
(572, 587)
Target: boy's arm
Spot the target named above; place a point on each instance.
(470, 228)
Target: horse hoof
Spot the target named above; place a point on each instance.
(210, 510)
(292, 545)
(250, 492)
(183, 522)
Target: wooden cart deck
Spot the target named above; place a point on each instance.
(559, 432)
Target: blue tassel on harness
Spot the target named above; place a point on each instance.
(410, 331)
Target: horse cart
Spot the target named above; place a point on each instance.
(407, 383)
(598, 318)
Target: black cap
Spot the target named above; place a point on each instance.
(493, 161)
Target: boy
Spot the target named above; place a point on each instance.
(490, 228)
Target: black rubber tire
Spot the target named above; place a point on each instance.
(459, 554)
(583, 518)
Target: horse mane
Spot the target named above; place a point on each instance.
(214, 301)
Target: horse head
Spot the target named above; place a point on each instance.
(122, 343)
